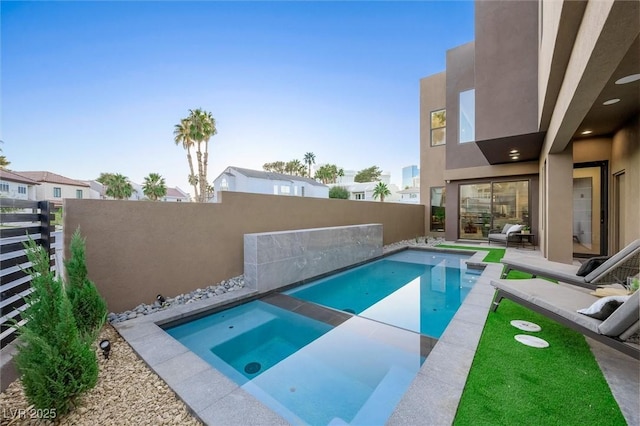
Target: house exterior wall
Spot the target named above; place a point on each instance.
(433, 97)
(625, 158)
(132, 262)
(506, 68)
(15, 188)
(460, 77)
(238, 182)
(45, 192)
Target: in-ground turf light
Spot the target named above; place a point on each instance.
(105, 345)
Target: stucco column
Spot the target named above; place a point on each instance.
(558, 232)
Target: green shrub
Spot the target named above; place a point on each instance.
(89, 308)
(339, 192)
(57, 365)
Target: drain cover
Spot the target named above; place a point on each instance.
(252, 367)
(351, 311)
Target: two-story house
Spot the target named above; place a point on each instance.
(54, 187)
(13, 185)
(537, 122)
(259, 182)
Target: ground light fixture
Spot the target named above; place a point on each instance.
(105, 345)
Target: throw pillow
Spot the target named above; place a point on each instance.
(587, 267)
(515, 228)
(506, 228)
(603, 308)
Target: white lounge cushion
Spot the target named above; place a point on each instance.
(506, 228)
(515, 228)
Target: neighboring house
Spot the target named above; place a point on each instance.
(409, 196)
(177, 195)
(537, 122)
(54, 187)
(96, 190)
(13, 185)
(259, 182)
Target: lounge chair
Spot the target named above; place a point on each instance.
(508, 234)
(560, 303)
(615, 270)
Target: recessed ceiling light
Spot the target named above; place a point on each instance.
(628, 79)
(587, 132)
(611, 101)
(514, 151)
(515, 157)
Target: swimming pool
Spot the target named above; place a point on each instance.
(308, 357)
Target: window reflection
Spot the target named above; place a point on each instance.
(467, 116)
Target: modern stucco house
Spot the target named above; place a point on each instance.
(259, 182)
(536, 121)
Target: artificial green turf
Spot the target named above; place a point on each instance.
(513, 384)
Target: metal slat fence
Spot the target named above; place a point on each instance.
(19, 221)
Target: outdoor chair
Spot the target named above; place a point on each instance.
(561, 303)
(615, 270)
(510, 233)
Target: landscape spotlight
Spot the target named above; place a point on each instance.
(105, 345)
(160, 299)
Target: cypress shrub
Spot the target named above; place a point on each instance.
(56, 363)
(89, 308)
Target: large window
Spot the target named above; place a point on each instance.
(438, 127)
(57, 192)
(487, 206)
(437, 208)
(4, 187)
(22, 190)
(467, 130)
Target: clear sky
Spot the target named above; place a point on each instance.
(91, 87)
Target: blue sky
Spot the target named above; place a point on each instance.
(91, 87)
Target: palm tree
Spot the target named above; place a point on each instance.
(202, 128)
(294, 167)
(118, 186)
(309, 159)
(381, 190)
(154, 186)
(182, 136)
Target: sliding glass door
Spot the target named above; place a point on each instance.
(491, 205)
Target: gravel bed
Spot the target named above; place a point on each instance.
(127, 393)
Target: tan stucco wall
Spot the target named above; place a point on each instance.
(625, 157)
(137, 249)
(433, 95)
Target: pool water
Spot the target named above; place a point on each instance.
(340, 350)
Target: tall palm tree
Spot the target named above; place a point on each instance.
(182, 136)
(154, 186)
(203, 127)
(381, 190)
(118, 186)
(309, 159)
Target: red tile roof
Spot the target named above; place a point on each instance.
(14, 177)
(51, 178)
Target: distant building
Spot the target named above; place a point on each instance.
(13, 185)
(176, 195)
(260, 182)
(54, 187)
(410, 195)
(363, 191)
(409, 175)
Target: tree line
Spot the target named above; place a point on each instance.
(119, 187)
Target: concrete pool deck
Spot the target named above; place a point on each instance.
(432, 398)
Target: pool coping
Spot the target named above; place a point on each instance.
(432, 397)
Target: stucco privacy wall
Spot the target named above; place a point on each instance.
(137, 249)
(276, 259)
